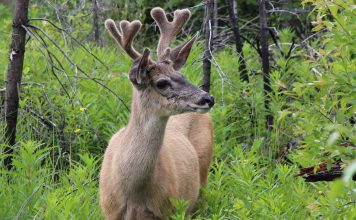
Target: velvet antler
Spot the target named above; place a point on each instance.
(124, 35)
(168, 30)
(126, 32)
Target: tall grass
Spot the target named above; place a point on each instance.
(252, 173)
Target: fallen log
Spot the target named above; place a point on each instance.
(321, 173)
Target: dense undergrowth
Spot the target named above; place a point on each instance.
(252, 173)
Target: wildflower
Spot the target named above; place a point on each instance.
(82, 109)
(77, 130)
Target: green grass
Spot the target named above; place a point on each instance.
(250, 177)
(242, 186)
(245, 182)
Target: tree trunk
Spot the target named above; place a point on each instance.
(215, 18)
(238, 43)
(209, 34)
(265, 62)
(5, 2)
(14, 74)
(96, 29)
(2, 102)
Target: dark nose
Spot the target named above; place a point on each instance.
(207, 99)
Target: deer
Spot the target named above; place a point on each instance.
(164, 151)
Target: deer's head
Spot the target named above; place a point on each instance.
(159, 83)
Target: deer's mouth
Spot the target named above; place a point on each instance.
(200, 108)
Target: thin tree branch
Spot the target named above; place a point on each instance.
(18, 215)
(73, 38)
(80, 69)
(49, 59)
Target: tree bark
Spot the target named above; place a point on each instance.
(96, 29)
(265, 62)
(209, 34)
(14, 74)
(2, 102)
(5, 1)
(320, 172)
(238, 43)
(215, 18)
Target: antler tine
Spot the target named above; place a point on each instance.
(124, 35)
(168, 29)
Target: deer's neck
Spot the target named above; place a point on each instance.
(146, 132)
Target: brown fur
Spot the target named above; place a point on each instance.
(181, 168)
(165, 150)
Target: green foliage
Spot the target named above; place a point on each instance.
(312, 101)
(36, 190)
(242, 186)
(325, 96)
(254, 190)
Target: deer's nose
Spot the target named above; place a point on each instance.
(207, 99)
(210, 100)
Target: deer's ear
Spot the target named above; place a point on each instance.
(179, 54)
(139, 76)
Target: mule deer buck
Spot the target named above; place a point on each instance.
(165, 150)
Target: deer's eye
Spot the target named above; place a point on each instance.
(163, 84)
(168, 62)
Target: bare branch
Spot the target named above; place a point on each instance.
(73, 38)
(80, 69)
(24, 204)
(49, 59)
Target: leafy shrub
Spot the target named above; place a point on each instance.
(312, 102)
